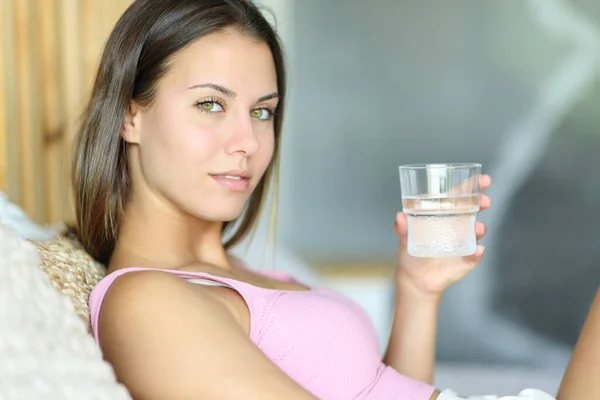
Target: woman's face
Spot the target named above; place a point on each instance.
(203, 145)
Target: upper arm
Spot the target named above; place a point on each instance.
(167, 339)
(581, 376)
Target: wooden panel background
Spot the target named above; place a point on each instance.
(49, 50)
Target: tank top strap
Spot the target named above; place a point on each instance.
(256, 298)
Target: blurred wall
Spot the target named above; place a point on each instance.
(512, 84)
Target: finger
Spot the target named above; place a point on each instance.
(401, 228)
(485, 181)
(475, 258)
(480, 229)
(484, 201)
(400, 225)
(470, 184)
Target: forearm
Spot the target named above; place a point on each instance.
(411, 349)
(581, 377)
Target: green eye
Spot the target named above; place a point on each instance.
(261, 113)
(210, 106)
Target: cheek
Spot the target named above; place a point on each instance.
(265, 154)
(270, 147)
(183, 140)
(176, 151)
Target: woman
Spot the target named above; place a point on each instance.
(177, 147)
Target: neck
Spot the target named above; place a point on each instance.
(157, 236)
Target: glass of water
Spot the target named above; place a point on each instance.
(441, 202)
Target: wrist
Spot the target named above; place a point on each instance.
(408, 289)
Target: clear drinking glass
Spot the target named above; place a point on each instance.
(441, 202)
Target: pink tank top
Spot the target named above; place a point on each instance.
(321, 339)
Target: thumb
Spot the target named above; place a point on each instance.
(400, 226)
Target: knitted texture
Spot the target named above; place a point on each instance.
(45, 349)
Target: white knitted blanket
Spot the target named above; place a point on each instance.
(45, 350)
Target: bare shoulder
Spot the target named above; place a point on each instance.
(167, 338)
(139, 285)
(148, 297)
(136, 291)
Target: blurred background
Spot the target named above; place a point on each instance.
(513, 84)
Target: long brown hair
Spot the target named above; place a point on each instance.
(135, 58)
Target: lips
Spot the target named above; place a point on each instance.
(234, 177)
(238, 181)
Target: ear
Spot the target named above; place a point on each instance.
(132, 124)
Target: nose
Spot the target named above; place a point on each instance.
(243, 139)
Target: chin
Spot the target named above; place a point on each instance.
(227, 217)
(222, 212)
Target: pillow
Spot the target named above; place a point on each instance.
(45, 351)
(13, 216)
(72, 271)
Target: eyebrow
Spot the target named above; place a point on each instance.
(231, 93)
(273, 95)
